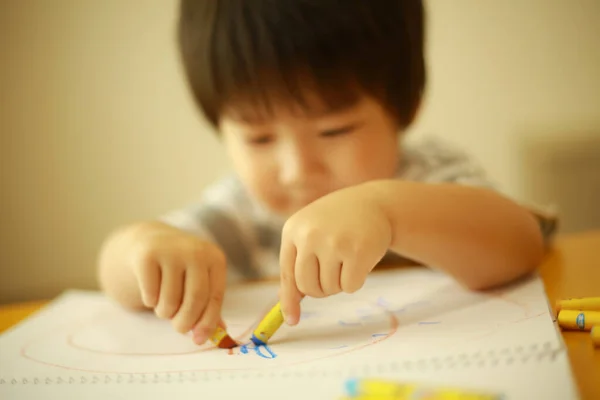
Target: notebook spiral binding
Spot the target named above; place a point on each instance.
(486, 359)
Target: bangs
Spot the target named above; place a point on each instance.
(296, 91)
(263, 53)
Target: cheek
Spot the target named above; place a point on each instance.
(254, 173)
(258, 173)
(371, 156)
(383, 156)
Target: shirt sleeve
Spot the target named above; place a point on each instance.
(434, 161)
(222, 216)
(548, 221)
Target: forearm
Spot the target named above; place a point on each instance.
(479, 237)
(115, 272)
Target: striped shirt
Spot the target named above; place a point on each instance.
(250, 235)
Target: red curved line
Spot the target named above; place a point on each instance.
(393, 329)
(504, 297)
(208, 346)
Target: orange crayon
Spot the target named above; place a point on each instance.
(222, 339)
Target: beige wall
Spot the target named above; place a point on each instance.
(97, 127)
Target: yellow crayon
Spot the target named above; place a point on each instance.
(368, 389)
(268, 326)
(596, 335)
(582, 304)
(419, 396)
(368, 397)
(581, 320)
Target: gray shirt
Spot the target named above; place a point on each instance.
(250, 235)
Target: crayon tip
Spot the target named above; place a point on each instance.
(256, 341)
(352, 387)
(227, 343)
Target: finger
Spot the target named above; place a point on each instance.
(289, 294)
(195, 299)
(307, 274)
(171, 290)
(148, 275)
(212, 314)
(352, 276)
(330, 275)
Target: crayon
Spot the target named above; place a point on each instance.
(368, 389)
(222, 340)
(268, 326)
(581, 320)
(582, 304)
(369, 397)
(595, 334)
(421, 396)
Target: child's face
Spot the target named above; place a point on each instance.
(289, 158)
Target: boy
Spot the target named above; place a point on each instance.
(311, 98)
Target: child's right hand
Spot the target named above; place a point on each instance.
(181, 277)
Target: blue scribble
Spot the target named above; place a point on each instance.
(307, 314)
(429, 322)
(364, 313)
(382, 302)
(410, 305)
(379, 334)
(344, 323)
(244, 349)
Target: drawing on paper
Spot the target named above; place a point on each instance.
(408, 313)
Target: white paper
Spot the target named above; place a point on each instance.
(405, 324)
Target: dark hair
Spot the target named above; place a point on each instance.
(258, 49)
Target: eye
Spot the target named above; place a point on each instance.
(338, 132)
(260, 140)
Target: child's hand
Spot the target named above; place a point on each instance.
(330, 246)
(182, 278)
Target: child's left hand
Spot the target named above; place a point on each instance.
(330, 246)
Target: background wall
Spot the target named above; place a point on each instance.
(97, 127)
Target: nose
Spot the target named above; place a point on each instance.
(300, 165)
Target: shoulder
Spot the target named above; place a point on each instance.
(434, 160)
(225, 197)
(227, 192)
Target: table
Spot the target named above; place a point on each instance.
(571, 269)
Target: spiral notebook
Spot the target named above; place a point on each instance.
(411, 324)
